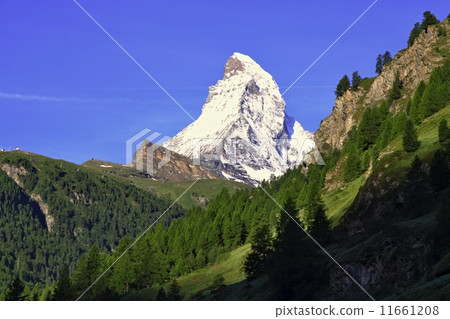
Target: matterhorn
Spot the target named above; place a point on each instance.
(243, 131)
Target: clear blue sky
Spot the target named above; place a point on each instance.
(67, 91)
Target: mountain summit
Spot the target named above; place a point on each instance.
(243, 130)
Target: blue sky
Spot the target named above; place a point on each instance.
(67, 91)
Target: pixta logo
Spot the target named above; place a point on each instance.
(143, 145)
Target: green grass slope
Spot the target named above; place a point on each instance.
(200, 194)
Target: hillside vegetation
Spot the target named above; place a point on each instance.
(53, 211)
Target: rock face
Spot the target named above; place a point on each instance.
(413, 65)
(243, 131)
(176, 167)
(16, 172)
(388, 255)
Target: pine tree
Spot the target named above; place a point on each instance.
(410, 140)
(396, 91)
(161, 295)
(415, 111)
(436, 95)
(415, 172)
(443, 224)
(261, 242)
(387, 58)
(34, 295)
(63, 290)
(88, 270)
(343, 85)
(15, 291)
(428, 19)
(144, 263)
(379, 64)
(365, 162)
(123, 275)
(284, 270)
(444, 131)
(292, 269)
(408, 107)
(352, 166)
(369, 127)
(414, 34)
(356, 80)
(439, 171)
(320, 227)
(174, 292)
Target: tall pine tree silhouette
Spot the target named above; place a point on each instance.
(15, 291)
(410, 140)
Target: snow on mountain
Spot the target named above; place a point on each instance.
(243, 130)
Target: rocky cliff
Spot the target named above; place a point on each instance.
(168, 165)
(413, 65)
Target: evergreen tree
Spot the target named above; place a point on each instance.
(88, 270)
(436, 95)
(63, 290)
(293, 269)
(147, 264)
(379, 64)
(444, 131)
(356, 80)
(439, 171)
(34, 295)
(46, 294)
(414, 34)
(410, 140)
(443, 224)
(396, 91)
(415, 172)
(408, 107)
(174, 292)
(285, 269)
(369, 127)
(387, 58)
(352, 166)
(15, 291)
(428, 19)
(385, 136)
(261, 242)
(161, 295)
(123, 275)
(415, 111)
(366, 161)
(320, 227)
(343, 85)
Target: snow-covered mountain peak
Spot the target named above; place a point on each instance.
(240, 63)
(243, 130)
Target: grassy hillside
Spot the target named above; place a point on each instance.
(225, 279)
(200, 194)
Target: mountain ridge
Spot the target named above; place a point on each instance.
(412, 65)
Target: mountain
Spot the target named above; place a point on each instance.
(169, 166)
(52, 211)
(412, 65)
(243, 130)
